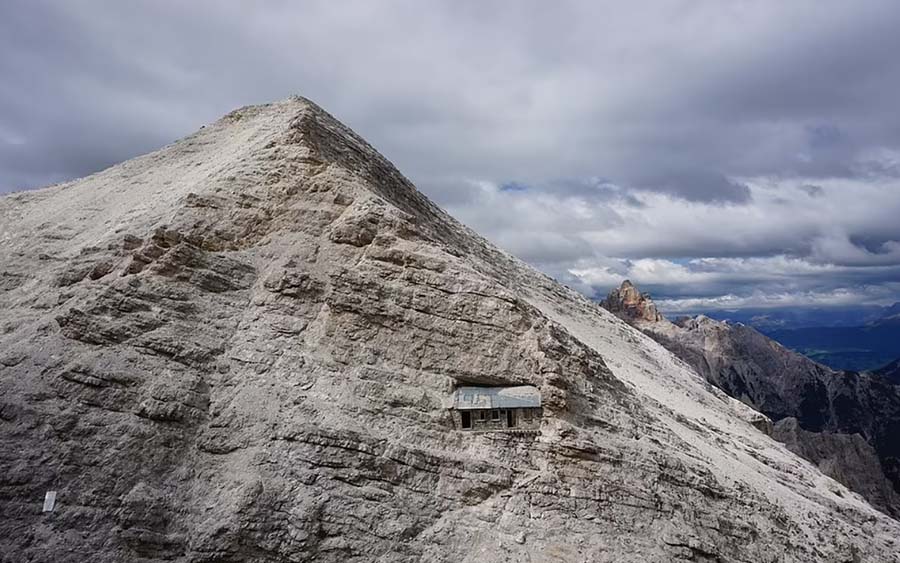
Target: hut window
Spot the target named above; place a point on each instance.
(495, 414)
(482, 415)
(526, 414)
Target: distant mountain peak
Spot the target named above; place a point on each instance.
(891, 372)
(628, 301)
(699, 322)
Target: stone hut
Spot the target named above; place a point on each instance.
(497, 409)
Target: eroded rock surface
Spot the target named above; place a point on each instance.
(239, 348)
(848, 458)
(628, 302)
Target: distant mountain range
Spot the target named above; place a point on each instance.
(846, 422)
(859, 339)
(802, 317)
(855, 348)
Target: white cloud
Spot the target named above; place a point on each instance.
(677, 144)
(784, 255)
(838, 297)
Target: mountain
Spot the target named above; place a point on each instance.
(846, 422)
(629, 303)
(765, 319)
(843, 338)
(891, 315)
(246, 347)
(890, 372)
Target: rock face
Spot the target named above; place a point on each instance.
(240, 348)
(629, 303)
(848, 458)
(829, 409)
(890, 372)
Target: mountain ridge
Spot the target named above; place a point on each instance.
(239, 348)
(891, 372)
(816, 410)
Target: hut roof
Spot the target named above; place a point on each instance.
(472, 398)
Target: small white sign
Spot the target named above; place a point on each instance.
(49, 501)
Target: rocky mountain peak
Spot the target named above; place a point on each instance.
(245, 346)
(629, 302)
(701, 322)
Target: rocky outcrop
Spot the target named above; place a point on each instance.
(629, 303)
(827, 406)
(240, 347)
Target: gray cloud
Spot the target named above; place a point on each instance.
(592, 137)
(812, 190)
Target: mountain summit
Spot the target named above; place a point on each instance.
(628, 302)
(256, 344)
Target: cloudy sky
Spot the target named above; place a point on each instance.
(721, 154)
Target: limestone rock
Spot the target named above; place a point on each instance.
(627, 301)
(848, 458)
(239, 348)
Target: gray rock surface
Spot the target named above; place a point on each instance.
(890, 372)
(239, 348)
(627, 302)
(848, 458)
(830, 409)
